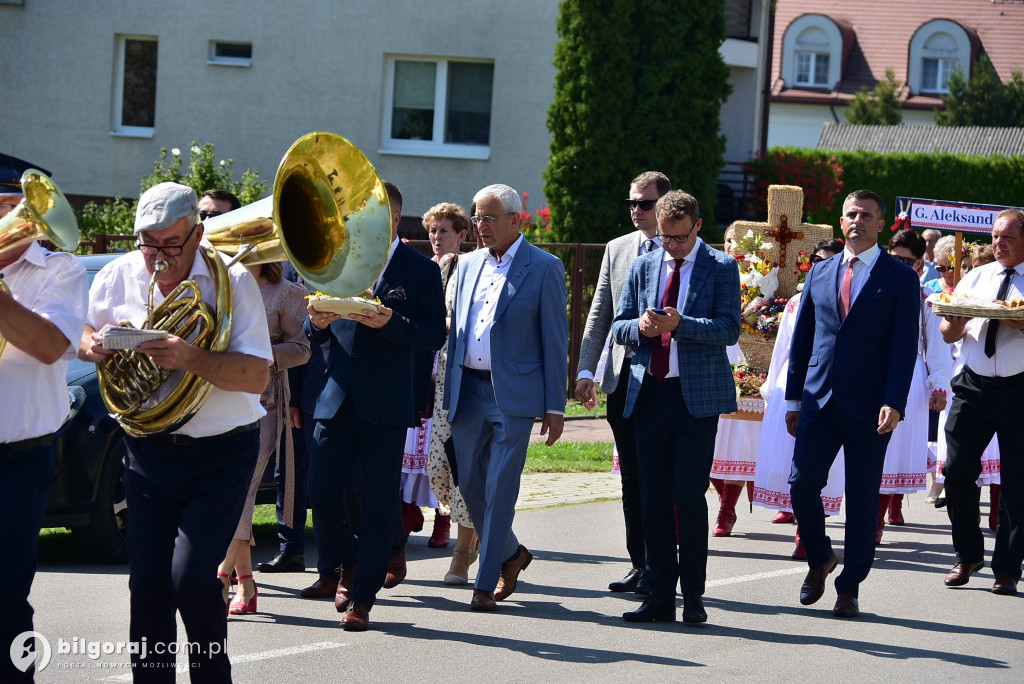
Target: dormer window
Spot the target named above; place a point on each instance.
(937, 49)
(812, 52)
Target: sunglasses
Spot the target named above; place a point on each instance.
(645, 205)
(944, 269)
(909, 261)
(815, 258)
(203, 215)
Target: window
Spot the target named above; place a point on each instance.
(135, 86)
(811, 52)
(438, 107)
(936, 73)
(937, 49)
(230, 54)
(812, 68)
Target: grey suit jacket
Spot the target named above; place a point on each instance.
(618, 255)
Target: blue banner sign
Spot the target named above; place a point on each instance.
(919, 214)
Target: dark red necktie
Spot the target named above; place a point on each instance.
(845, 290)
(662, 345)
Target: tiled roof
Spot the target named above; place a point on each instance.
(884, 30)
(973, 140)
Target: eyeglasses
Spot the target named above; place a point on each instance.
(943, 269)
(168, 250)
(203, 215)
(909, 261)
(645, 205)
(487, 218)
(815, 258)
(678, 239)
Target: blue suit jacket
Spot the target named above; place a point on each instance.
(529, 336)
(710, 322)
(375, 367)
(867, 360)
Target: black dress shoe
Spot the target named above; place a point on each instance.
(846, 606)
(649, 611)
(283, 562)
(629, 582)
(693, 609)
(643, 587)
(814, 584)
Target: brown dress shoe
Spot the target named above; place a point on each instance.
(345, 584)
(324, 587)
(357, 617)
(814, 584)
(483, 601)
(397, 570)
(846, 606)
(510, 570)
(961, 573)
(1004, 585)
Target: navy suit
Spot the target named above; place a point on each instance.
(366, 406)
(843, 372)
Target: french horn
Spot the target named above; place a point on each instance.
(328, 216)
(44, 214)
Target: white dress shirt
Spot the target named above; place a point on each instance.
(485, 302)
(983, 282)
(35, 401)
(685, 271)
(120, 292)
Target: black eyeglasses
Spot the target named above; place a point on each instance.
(487, 218)
(645, 205)
(678, 239)
(815, 258)
(203, 215)
(909, 261)
(168, 250)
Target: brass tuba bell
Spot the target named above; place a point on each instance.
(328, 216)
(44, 214)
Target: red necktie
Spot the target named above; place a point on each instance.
(662, 345)
(844, 290)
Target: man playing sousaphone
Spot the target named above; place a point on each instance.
(185, 489)
(42, 308)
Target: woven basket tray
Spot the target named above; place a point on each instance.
(941, 309)
(757, 350)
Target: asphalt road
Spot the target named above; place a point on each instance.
(563, 625)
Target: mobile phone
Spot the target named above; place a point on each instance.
(660, 312)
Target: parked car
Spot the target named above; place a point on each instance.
(88, 491)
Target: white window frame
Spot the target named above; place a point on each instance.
(118, 94)
(945, 66)
(918, 53)
(435, 147)
(216, 60)
(815, 57)
(792, 46)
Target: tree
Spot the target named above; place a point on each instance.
(982, 100)
(880, 107)
(639, 86)
(117, 216)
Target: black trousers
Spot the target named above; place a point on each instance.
(346, 444)
(625, 443)
(984, 406)
(25, 479)
(184, 502)
(674, 454)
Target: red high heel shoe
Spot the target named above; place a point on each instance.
(240, 607)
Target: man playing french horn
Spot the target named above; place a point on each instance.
(185, 485)
(42, 309)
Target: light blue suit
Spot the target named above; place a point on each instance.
(491, 421)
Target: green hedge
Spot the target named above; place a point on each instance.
(959, 178)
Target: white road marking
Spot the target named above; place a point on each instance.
(756, 576)
(182, 667)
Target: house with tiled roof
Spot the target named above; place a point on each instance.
(824, 53)
(981, 141)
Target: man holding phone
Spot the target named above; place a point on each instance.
(680, 309)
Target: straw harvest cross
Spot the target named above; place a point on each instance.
(786, 232)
